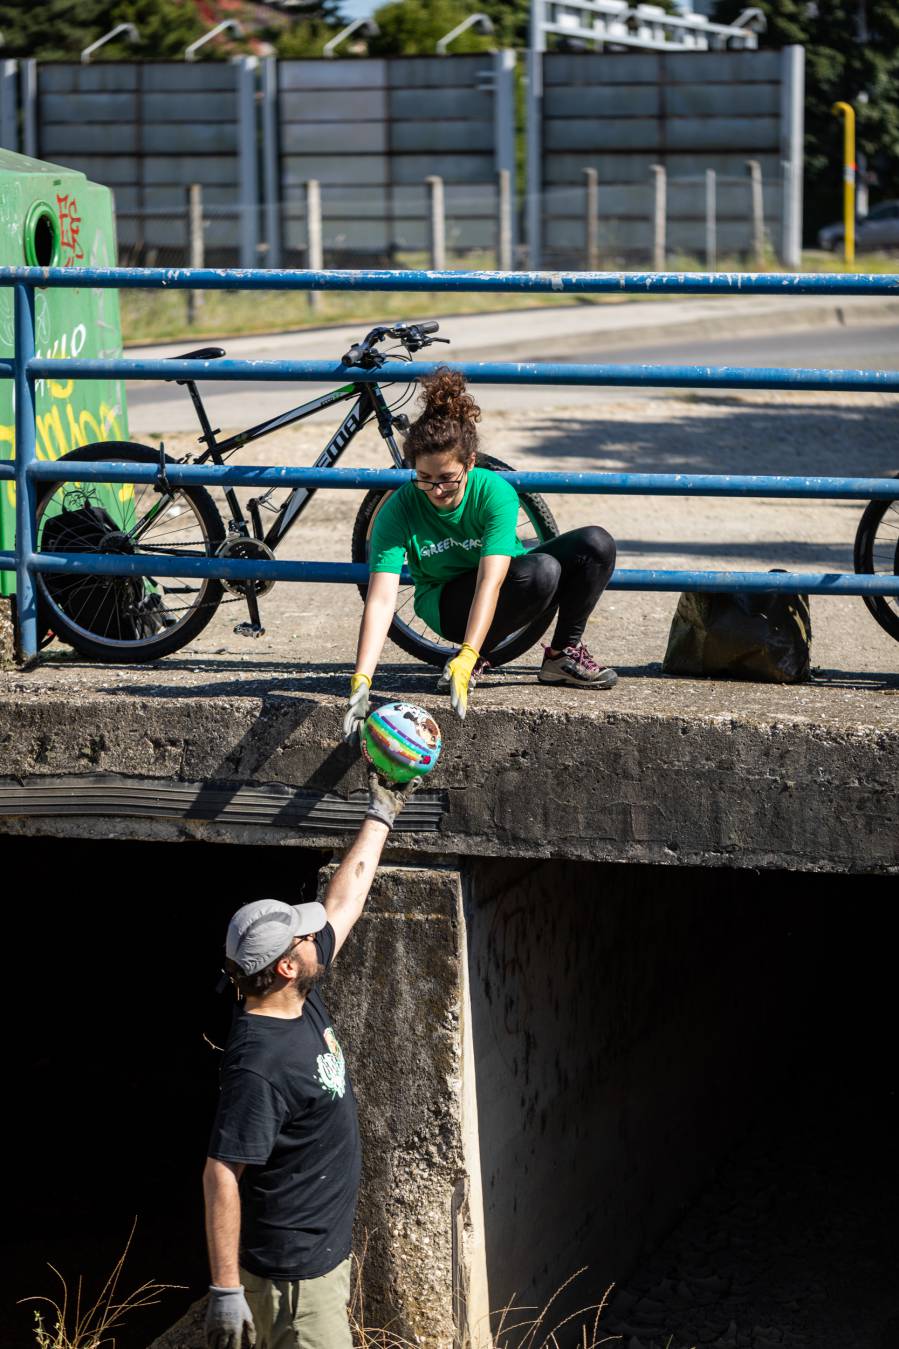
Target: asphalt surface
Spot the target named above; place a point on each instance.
(163, 409)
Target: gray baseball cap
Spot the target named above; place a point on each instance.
(261, 931)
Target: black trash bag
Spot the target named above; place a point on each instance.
(758, 634)
(118, 607)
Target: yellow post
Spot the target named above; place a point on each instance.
(848, 115)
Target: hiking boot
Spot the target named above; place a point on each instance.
(575, 668)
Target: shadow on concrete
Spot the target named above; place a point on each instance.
(812, 437)
(772, 550)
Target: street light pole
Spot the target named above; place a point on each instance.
(848, 114)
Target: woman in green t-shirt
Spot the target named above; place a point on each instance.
(475, 583)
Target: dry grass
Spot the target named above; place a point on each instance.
(73, 1323)
(514, 1327)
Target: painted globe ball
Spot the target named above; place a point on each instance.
(401, 741)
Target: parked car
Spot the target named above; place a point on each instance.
(879, 229)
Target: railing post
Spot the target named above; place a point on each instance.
(437, 211)
(504, 221)
(26, 601)
(196, 252)
(659, 216)
(758, 214)
(591, 221)
(711, 222)
(314, 251)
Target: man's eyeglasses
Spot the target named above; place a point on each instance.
(427, 486)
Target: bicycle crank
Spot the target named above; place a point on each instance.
(252, 549)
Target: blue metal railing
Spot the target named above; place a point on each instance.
(28, 471)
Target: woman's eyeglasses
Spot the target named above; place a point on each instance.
(427, 486)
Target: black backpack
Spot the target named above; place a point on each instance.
(109, 606)
(755, 634)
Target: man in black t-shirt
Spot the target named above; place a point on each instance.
(282, 1174)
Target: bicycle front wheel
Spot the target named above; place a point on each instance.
(535, 525)
(877, 553)
(126, 618)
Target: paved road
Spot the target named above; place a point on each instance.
(164, 409)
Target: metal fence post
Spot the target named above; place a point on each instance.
(29, 107)
(711, 222)
(591, 222)
(195, 245)
(9, 125)
(270, 178)
(246, 139)
(659, 216)
(26, 436)
(758, 214)
(314, 250)
(438, 222)
(792, 135)
(504, 134)
(504, 221)
(534, 131)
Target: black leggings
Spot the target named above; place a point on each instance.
(571, 570)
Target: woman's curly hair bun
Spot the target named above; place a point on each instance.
(444, 394)
(448, 420)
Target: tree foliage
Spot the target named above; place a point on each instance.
(852, 49)
(413, 27)
(60, 30)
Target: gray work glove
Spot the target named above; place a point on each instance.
(357, 706)
(386, 799)
(228, 1319)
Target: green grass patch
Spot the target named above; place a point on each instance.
(162, 316)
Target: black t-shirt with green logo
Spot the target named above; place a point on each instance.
(288, 1112)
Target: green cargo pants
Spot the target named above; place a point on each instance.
(300, 1313)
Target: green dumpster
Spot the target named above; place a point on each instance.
(51, 216)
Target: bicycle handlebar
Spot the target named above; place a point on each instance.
(413, 336)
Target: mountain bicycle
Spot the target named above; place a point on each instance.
(135, 619)
(877, 551)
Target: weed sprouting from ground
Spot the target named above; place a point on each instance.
(71, 1323)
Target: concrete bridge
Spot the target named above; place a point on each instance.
(547, 998)
(616, 937)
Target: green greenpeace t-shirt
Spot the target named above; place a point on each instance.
(441, 545)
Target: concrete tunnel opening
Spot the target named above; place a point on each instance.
(683, 1081)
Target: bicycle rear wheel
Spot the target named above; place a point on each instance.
(535, 525)
(877, 553)
(126, 618)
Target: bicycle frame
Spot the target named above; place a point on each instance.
(370, 401)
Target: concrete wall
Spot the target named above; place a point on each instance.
(399, 998)
(796, 784)
(622, 1040)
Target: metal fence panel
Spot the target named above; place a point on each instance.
(620, 114)
(148, 130)
(372, 132)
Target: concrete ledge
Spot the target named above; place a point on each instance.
(801, 779)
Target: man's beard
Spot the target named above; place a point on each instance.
(306, 981)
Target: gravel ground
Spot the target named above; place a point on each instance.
(312, 629)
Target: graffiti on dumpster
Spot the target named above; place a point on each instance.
(69, 230)
(60, 426)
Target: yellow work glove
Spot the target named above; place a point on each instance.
(357, 708)
(457, 673)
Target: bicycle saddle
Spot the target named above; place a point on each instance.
(203, 354)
